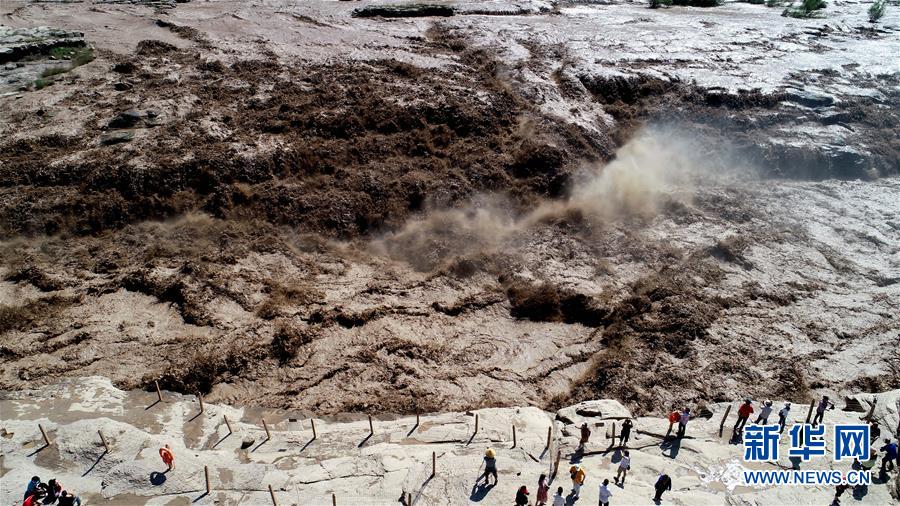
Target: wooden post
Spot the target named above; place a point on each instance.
(476, 424)
(549, 432)
(227, 424)
(44, 433)
(272, 495)
(333, 500)
(200, 398)
(103, 440)
(266, 427)
(158, 391)
(724, 417)
(417, 418)
(313, 422)
(809, 413)
(206, 475)
(556, 464)
(514, 436)
(613, 440)
(433, 464)
(371, 428)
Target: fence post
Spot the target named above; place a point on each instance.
(613, 440)
(200, 398)
(333, 500)
(549, 433)
(371, 428)
(476, 424)
(433, 464)
(514, 436)
(272, 494)
(44, 434)
(103, 440)
(809, 413)
(206, 475)
(227, 424)
(266, 427)
(724, 417)
(313, 422)
(158, 391)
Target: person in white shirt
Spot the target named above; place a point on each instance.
(764, 413)
(624, 466)
(683, 421)
(605, 494)
(782, 416)
(558, 499)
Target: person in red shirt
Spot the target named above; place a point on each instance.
(674, 417)
(168, 457)
(744, 413)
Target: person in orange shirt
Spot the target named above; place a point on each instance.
(168, 457)
(674, 417)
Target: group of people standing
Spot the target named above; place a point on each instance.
(577, 474)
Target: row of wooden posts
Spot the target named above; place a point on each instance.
(105, 443)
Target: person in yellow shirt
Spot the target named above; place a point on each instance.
(578, 475)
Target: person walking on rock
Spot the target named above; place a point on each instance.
(674, 417)
(522, 496)
(578, 476)
(558, 499)
(820, 410)
(782, 416)
(764, 411)
(624, 466)
(626, 431)
(585, 436)
(744, 412)
(168, 458)
(605, 493)
(542, 490)
(683, 420)
(490, 467)
(663, 483)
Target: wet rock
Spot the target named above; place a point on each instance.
(110, 138)
(602, 409)
(126, 119)
(808, 98)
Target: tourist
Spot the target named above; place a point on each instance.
(67, 499)
(522, 496)
(542, 490)
(663, 483)
(167, 457)
(674, 417)
(839, 491)
(578, 476)
(820, 410)
(764, 411)
(605, 493)
(490, 467)
(53, 491)
(35, 498)
(624, 466)
(626, 431)
(585, 436)
(683, 420)
(782, 416)
(890, 455)
(32, 486)
(558, 499)
(744, 413)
